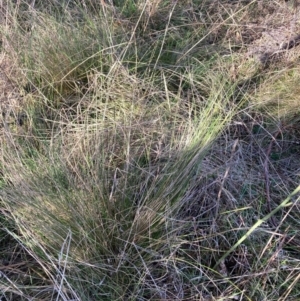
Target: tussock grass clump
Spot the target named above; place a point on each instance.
(109, 182)
(144, 159)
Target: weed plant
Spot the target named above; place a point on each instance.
(144, 157)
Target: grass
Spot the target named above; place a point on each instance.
(144, 156)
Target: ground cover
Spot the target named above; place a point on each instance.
(149, 150)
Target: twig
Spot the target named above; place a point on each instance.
(267, 180)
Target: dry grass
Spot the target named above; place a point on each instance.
(148, 153)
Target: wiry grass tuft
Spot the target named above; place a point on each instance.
(110, 181)
(145, 155)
